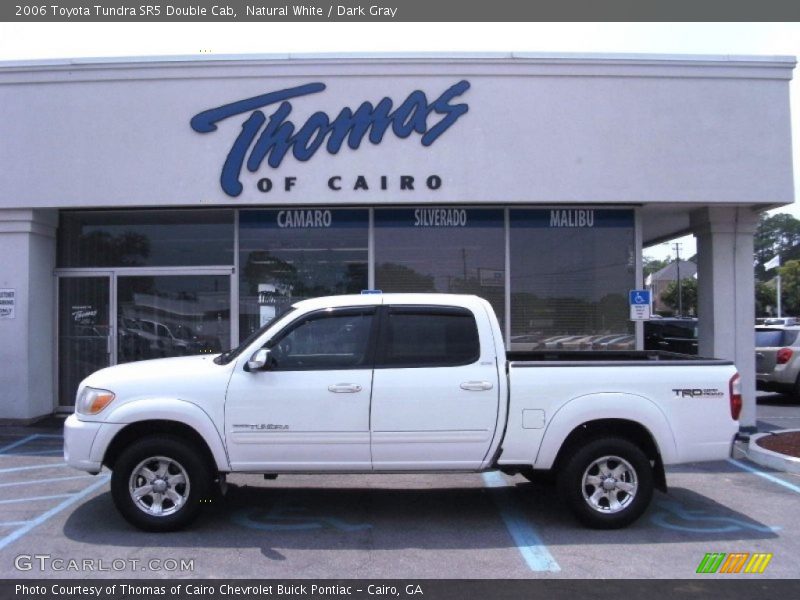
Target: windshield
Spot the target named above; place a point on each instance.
(226, 357)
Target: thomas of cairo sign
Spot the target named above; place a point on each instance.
(273, 138)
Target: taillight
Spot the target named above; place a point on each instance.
(783, 356)
(735, 389)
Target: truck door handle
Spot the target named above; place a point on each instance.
(344, 388)
(476, 386)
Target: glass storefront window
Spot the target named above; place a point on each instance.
(450, 250)
(292, 254)
(139, 238)
(571, 270)
(172, 315)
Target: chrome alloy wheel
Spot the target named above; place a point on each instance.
(609, 484)
(159, 486)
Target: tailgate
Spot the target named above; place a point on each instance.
(766, 360)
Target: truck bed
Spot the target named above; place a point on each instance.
(535, 358)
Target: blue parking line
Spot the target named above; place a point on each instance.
(32, 467)
(13, 523)
(72, 499)
(13, 445)
(38, 452)
(765, 475)
(528, 542)
(13, 500)
(35, 481)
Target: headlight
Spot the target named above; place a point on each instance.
(92, 401)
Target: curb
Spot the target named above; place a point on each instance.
(768, 458)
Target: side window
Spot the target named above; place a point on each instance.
(324, 341)
(421, 337)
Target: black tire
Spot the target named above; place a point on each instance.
(581, 482)
(187, 480)
(539, 477)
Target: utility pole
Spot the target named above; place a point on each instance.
(677, 247)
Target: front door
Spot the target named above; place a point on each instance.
(85, 342)
(309, 409)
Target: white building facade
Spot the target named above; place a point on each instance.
(163, 207)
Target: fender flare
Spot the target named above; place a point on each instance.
(162, 409)
(601, 406)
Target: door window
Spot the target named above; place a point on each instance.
(324, 341)
(414, 337)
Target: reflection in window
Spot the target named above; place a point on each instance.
(571, 270)
(136, 238)
(289, 255)
(170, 315)
(338, 341)
(450, 250)
(419, 339)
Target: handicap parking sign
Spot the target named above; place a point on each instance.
(639, 301)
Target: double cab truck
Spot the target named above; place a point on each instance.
(400, 383)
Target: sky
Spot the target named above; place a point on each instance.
(23, 41)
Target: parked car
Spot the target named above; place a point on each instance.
(400, 383)
(671, 334)
(778, 359)
(781, 321)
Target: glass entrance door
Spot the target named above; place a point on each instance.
(84, 331)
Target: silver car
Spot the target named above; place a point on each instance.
(778, 359)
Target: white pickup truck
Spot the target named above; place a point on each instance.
(399, 383)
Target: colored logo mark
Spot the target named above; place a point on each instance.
(735, 562)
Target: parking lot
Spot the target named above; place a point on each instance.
(402, 526)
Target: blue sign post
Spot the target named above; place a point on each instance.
(639, 301)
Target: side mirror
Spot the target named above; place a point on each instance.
(258, 361)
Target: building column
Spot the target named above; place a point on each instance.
(27, 336)
(726, 294)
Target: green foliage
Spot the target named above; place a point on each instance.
(651, 265)
(790, 287)
(688, 294)
(765, 296)
(776, 234)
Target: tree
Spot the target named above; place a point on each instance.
(790, 287)
(651, 265)
(775, 234)
(765, 296)
(688, 295)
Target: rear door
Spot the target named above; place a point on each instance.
(435, 389)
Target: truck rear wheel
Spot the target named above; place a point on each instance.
(158, 483)
(607, 483)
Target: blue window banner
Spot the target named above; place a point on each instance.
(438, 217)
(571, 218)
(303, 218)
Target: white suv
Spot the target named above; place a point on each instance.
(778, 359)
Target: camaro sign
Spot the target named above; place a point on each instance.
(273, 137)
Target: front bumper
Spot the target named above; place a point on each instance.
(79, 438)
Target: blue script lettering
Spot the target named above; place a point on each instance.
(274, 137)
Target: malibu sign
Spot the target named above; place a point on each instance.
(273, 138)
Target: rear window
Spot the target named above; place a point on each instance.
(418, 337)
(773, 338)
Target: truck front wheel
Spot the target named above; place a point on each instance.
(607, 483)
(158, 483)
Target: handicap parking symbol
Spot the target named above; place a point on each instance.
(674, 515)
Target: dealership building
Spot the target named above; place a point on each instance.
(162, 207)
